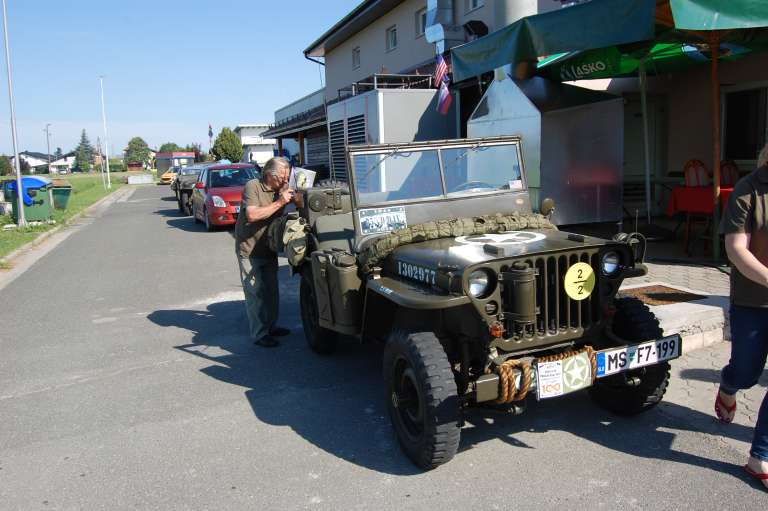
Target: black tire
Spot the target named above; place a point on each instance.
(184, 203)
(633, 322)
(321, 340)
(330, 183)
(207, 221)
(421, 398)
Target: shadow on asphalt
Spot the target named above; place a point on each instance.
(713, 376)
(169, 199)
(336, 403)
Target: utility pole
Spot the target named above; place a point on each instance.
(48, 145)
(21, 218)
(106, 138)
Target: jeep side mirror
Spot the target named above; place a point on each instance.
(547, 206)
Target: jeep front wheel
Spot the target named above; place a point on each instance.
(633, 322)
(421, 397)
(321, 340)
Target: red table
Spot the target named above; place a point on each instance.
(695, 200)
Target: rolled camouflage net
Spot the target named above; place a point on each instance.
(380, 248)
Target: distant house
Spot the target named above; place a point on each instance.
(38, 162)
(256, 148)
(63, 164)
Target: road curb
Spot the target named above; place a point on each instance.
(114, 196)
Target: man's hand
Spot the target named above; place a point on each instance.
(287, 196)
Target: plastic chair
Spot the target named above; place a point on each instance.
(729, 173)
(696, 173)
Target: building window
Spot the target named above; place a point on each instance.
(474, 4)
(391, 38)
(421, 22)
(746, 123)
(355, 57)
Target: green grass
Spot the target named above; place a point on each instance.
(86, 189)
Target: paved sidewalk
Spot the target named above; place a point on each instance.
(695, 378)
(698, 278)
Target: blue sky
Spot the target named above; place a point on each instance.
(170, 66)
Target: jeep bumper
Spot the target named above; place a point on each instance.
(552, 378)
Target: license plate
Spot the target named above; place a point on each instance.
(237, 209)
(631, 357)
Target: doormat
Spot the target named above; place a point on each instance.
(660, 295)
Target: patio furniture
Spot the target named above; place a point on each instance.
(729, 173)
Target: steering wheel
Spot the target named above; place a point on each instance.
(471, 185)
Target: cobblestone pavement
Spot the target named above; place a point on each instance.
(695, 378)
(697, 278)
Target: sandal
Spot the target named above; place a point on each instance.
(720, 405)
(760, 476)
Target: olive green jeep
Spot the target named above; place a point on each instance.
(433, 249)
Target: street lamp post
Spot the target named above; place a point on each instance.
(48, 145)
(20, 217)
(104, 120)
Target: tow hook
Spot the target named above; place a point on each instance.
(633, 381)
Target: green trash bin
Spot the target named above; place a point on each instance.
(36, 196)
(61, 191)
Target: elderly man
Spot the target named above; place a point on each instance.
(263, 200)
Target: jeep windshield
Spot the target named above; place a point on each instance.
(426, 173)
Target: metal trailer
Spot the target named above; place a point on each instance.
(385, 116)
(573, 144)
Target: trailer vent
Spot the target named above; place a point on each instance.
(338, 152)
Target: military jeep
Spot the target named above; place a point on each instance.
(433, 249)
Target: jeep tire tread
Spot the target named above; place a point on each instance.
(633, 322)
(320, 340)
(421, 397)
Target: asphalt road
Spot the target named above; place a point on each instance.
(127, 381)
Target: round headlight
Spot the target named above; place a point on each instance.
(479, 283)
(610, 263)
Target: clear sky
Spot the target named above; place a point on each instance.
(170, 66)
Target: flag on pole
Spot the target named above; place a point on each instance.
(210, 130)
(444, 99)
(441, 69)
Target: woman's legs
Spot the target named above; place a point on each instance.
(749, 349)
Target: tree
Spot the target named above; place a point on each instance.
(24, 167)
(83, 153)
(169, 147)
(6, 168)
(58, 154)
(227, 146)
(195, 148)
(138, 150)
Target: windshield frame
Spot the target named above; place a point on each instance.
(388, 150)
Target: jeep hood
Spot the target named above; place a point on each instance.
(464, 251)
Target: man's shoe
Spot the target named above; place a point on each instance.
(267, 342)
(279, 331)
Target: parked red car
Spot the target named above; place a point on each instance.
(218, 192)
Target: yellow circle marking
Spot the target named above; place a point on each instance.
(579, 281)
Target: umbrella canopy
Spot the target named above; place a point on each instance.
(629, 26)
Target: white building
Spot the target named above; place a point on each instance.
(38, 162)
(256, 148)
(64, 164)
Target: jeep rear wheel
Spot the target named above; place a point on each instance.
(184, 205)
(321, 340)
(421, 398)
(633, 322)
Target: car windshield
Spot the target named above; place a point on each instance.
(405, 174)
(231, 177)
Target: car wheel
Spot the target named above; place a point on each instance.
(194, 214)
(207, 220)
(186, 207)
(320, 340)
(422, 399)
(633, 322)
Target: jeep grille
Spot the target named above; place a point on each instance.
(558, 317)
